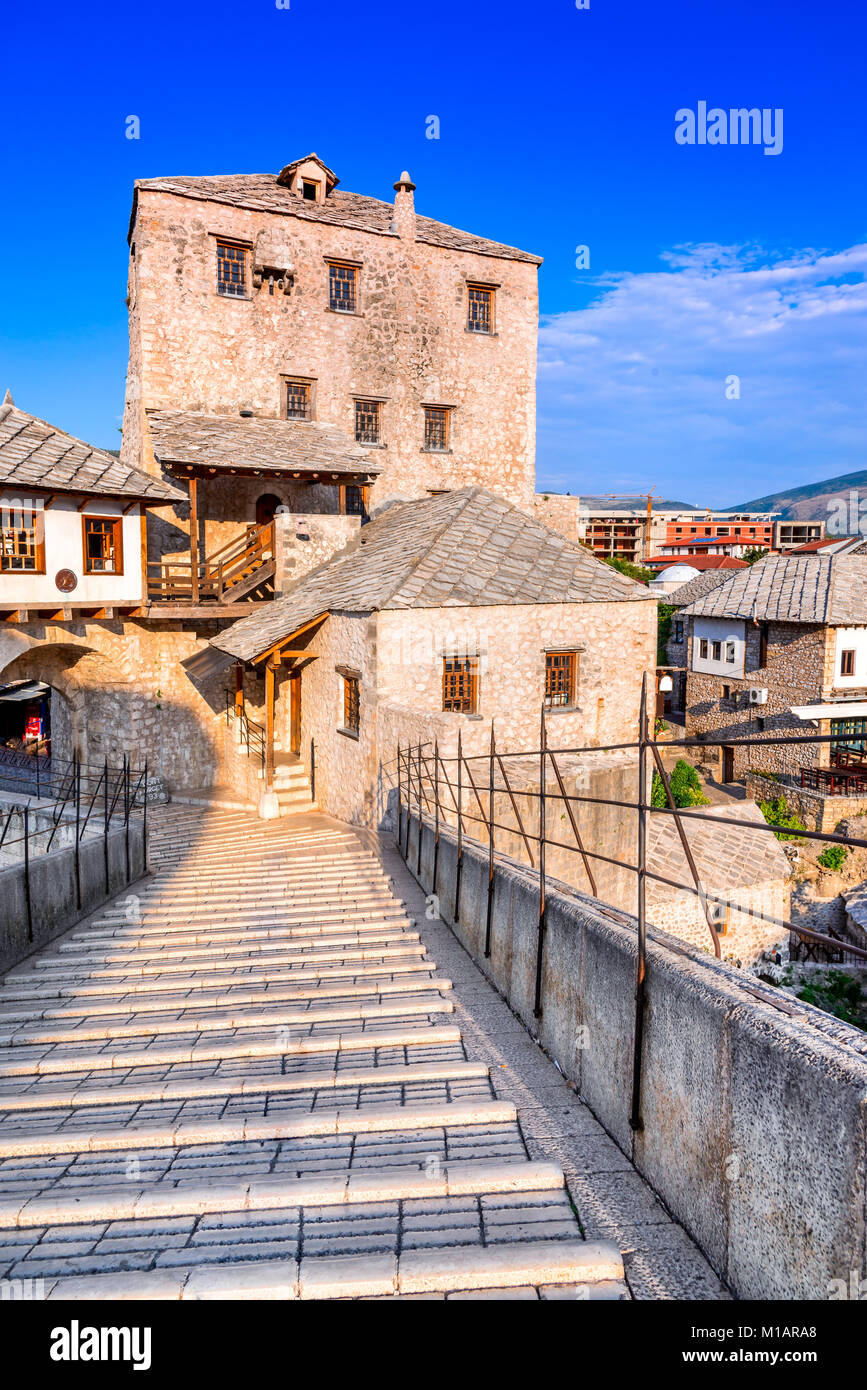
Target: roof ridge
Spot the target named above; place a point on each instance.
(450, 520)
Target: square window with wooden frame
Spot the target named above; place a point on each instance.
(351, 703)
(437, 428)
(368, 422)
(22, 541)
(299, 400)
(561, 669)
(342, 287)
(460, 684)
(103, 544)
(231, 269)
(480, 309)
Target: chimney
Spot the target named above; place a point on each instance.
(404, 207)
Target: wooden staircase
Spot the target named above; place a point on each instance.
(242, 568)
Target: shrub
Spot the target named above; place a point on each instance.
(838, 994)
(776, 812)
(685, 787)
(833, 857)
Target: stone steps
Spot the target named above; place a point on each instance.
(27, 1036)
(591, 1269)
(180, 984)
(274, 1103)
(55, 1063)
(277, 1083)
(163, 1003)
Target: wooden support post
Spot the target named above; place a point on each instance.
(269, 725)
(194, 540)
(239, 689)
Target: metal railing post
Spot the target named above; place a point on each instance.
(641, 865)
(399, 798)
(126, 815)
(460, 858)
(76, 773)
(418, 845)
(105, 818)
(436, 853)
(540, 937)
(144, 828)
(490, 902)
(312, 770)
(27, 897)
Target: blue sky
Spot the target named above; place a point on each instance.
(556, 131)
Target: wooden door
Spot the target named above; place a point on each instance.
(295, 713)
(728, 763)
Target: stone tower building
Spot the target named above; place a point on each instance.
(284, 298)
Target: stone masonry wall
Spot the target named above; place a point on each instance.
(794, 675)
(124, 690)
(195, 350)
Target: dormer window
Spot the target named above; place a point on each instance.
(309, 190)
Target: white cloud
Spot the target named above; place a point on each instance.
(632, 389)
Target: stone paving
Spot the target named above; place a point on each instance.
(250, 1079)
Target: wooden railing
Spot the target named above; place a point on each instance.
(232, 572)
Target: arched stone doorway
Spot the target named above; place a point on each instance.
(85, 721)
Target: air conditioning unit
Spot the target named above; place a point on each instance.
(758, 695)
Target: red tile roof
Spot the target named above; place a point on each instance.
(697, 562)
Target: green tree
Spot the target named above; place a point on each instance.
(636, 572)
(753, 554)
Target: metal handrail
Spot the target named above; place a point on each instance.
(253, 735)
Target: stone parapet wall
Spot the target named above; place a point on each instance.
(305, 540)
(736, 1166)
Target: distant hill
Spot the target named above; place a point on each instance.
(637, 503)
(816, 501)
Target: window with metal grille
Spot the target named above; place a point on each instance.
(355, 500)
(231, 269)
(560, 679)
(480, 309)
(351, 703)
(103, 551)
(297, 400)
(342, 288)
(460, 684)
(847, 663)
(21, 548)
(368, 422)
(437, 428)
(678, 630)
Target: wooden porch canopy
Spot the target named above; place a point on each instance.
(273, 657)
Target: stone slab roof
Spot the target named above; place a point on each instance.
(696, 588)
(461, 549)
(727, 857)
(828, 589)
(231, 441)
(262, 193)
(34, 454)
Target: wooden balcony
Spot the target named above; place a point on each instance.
(243, 569)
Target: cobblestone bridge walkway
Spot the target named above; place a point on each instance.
(250, 1080)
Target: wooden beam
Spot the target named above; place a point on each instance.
(81, 506)
(129, 506)
(278, 646)
(194, 539)
(144, 553)
(269, 725)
